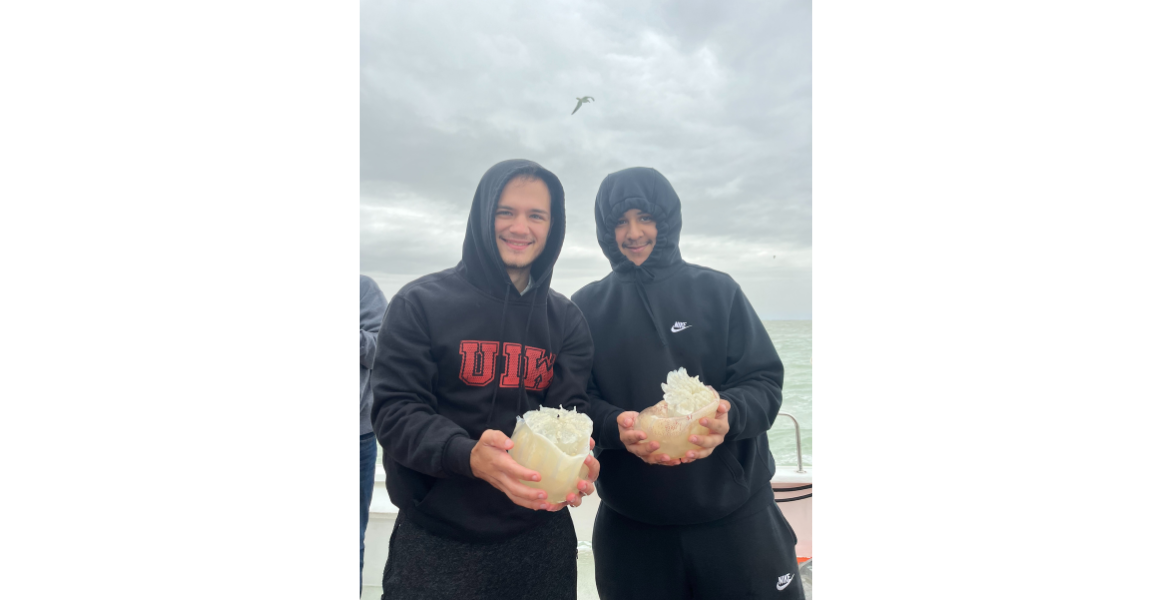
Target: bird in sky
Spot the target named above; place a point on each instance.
(581, 101)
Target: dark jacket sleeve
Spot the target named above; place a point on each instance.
(406, 418)
(571, 370)
(371, 307)
(605, 416)
(753, 373)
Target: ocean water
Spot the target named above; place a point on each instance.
(792, 339)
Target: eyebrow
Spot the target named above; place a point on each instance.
(539, 211)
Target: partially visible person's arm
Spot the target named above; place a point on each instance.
(604, 414)
(372, 304)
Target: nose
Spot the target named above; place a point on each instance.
(518, 227)
(635, 231)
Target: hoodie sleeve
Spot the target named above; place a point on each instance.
(406, 419)
(571, 370)
(372, 305)
(602, 414)
(605, 417)
(753, 373)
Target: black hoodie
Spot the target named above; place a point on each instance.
(657, 317)
(461, 351)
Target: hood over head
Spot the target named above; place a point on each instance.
(481, 262)
(647, 190)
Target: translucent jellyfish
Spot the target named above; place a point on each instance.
(672, 420)
(554, 442)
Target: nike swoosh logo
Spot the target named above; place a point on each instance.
(677, 329)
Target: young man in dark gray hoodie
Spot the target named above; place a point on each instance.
(705, 526)
(462, 353)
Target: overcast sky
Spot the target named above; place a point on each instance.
(716, 96)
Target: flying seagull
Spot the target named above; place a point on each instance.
(581, 101)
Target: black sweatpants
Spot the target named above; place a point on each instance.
(748, 554)
(539, 563)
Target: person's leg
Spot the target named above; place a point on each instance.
(537, 564)
(747, 554)
(368, 450)
(636, 560)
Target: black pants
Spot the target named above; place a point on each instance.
(539, 563)
(748, 554)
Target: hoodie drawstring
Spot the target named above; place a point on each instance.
(523, 396)
(647, 303)
(500, 340)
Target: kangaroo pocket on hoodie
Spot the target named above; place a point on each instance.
(724, 453)
(697, 492)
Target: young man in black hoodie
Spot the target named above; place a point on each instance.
(461, 354)
(705, 526)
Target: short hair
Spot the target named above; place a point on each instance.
(526, 173)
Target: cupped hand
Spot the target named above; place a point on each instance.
(585, 486)
(717, 428)
(633, 440)
(492, 463)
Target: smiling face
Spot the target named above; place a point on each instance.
(635, 234)
(522, 224)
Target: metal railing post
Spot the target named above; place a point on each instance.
(797, 436)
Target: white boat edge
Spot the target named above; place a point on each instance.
(799, 514)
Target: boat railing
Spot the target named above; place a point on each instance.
(797, 438)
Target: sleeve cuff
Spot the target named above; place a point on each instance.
(608, 438)
(458, 455)
(736, 414)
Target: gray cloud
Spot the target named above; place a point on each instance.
(715, 96)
